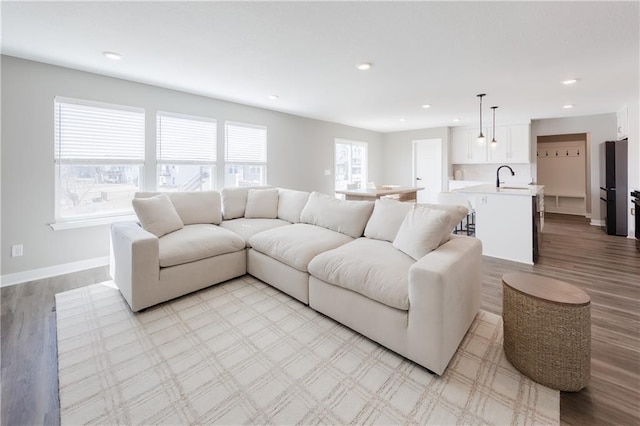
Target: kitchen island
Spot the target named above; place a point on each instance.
(508, 220)
(372, 194)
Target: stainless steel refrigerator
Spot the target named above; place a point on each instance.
(613, 186)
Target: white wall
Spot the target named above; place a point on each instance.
(397, 164)
(599, 128)
(299, 150)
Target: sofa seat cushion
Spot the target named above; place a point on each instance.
(372, 268)
(297, 244)
(195, 242)
(247, 228)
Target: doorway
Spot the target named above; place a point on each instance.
(428, 169)
(563, 168)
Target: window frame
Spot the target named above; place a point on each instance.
(365, 166)
(262, 164)
(212, 164)
(59, 162)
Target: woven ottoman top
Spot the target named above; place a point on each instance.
(547, 289)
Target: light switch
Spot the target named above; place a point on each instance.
(16, 250)
(327, 172)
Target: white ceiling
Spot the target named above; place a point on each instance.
(441, 53)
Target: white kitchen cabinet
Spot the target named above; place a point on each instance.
(519, 144)
(513, 145)
(623, 123)
(460, 145)
(465, 148)
(478, 153)
(500, 153)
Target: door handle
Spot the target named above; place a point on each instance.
(418, 178)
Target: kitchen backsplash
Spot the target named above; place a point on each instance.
(487, 172)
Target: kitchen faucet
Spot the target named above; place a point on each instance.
(498, 174)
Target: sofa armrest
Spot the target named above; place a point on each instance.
(135, 264)
(445, 292)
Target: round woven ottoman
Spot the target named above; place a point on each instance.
(547, 330)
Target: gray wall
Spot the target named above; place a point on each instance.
(299, 150)
(398, 154)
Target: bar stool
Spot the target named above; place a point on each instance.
(467, 225)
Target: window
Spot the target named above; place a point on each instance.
(350, 164)
(99, 156)
(245, 155)
(186, 152)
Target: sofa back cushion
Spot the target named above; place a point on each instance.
(386, 219)
(193, 207)
(262, 203)
(157, 214)
(290, 204)
(234, 201)
(421, 231)
(347, 217)
(456, 214)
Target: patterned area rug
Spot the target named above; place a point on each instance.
(244, 353)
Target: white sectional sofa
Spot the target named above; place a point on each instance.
(391, 271)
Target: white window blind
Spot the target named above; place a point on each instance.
(99, 157)
(245, 143)
(186, 138)
(85, 131)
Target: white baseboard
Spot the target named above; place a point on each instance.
(597, 222)
(52, 271)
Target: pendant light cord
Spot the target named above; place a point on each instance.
(480, 96)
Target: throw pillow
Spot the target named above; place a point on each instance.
(386, 219)
(290, 204)
(456, 214)
(234, 201)
(346, 217)
(262, 203)
(421, 231)
(157, 215)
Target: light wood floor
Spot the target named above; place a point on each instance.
(607, 267)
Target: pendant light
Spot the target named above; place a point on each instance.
(481, 138)
(494, 142)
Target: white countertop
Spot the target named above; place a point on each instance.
(506, 189)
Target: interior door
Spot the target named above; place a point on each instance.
(428, 168)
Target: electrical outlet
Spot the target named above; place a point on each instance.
(327, 172)
(16, 250)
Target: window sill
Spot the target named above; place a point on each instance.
(85, 223)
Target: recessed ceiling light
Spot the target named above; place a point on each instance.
(403, 119)
(567, 106)
(456, 120)
(364, 66)
(274, 97)
(570, 81)
(112, 55)
(425, 106)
